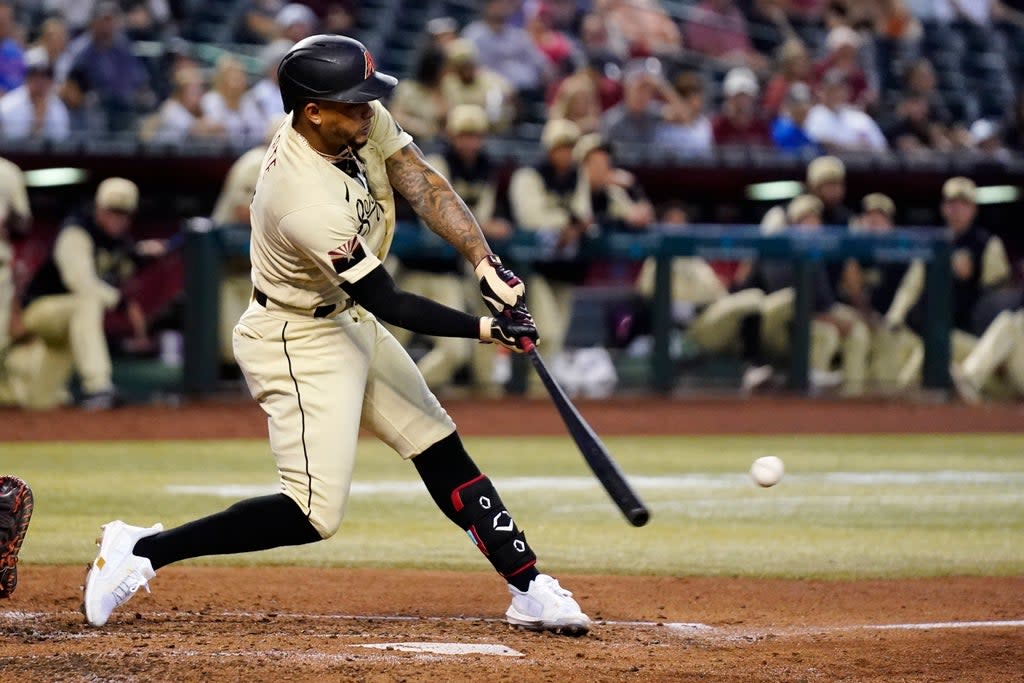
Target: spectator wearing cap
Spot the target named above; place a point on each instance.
(718, 29)
(180, 117)
(442, 30)
(466, 82)
(738, 123)
(295, 21)
(105, 66)
(843, 44)
(33, 110)
(266, 94)
(549, 199)
(418, 103)
(507, 50)
(794, 66)
(788, 131)
(229, 105)
(12, 57)
(65, 301)
(913, 129)
(897, 353)
(636, 120)
(837, 125)
(146, 19)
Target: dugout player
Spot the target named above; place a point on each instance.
(15, 220)
(319, 362)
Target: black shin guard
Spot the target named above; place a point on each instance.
(468, 498)
(490, 526)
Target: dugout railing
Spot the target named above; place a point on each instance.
(207, 246)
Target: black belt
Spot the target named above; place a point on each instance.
(318, 312)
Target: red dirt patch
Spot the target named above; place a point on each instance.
(212, 624)
(243, 419)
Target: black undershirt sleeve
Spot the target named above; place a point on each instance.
(377, 293)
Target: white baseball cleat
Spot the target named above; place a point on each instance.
(546, 606)
(116, 574)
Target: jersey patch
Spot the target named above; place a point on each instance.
(347, 255)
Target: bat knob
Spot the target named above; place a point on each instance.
(526, 343)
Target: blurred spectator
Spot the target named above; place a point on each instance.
(1014, 125)
(12, 58)
(836, 125)
(642, 25)
(794, 66)
(986, 137)
(842, 44)
(738, 122)
(595, 37)
(895, 22)
(636, 119)
(256, 21)
(585, 94)
(418, 104)
(555, 45)
(336, 16)
(717, 28)
(914, 130)
(53, 43)
(687, 129)
(788, 129)
(549, 199)
(769, 25)
(505, 49)
(266, 94)
(77, 13)
(33, 109)
(104, 64)
(467, 83)
(146, 19)
(442, 30)
(295, 22)
(919, 79)
(614, 196)
(66, 299)
(180, 117)
(229, 105)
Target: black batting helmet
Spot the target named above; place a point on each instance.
(330, 67)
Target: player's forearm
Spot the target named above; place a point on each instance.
(436, 203)
(377, 293)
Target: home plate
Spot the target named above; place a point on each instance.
(449, 648)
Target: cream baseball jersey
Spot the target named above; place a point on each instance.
(315, 226)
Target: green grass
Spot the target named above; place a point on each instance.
(708, 518)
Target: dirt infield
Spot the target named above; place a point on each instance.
(268, 624)
(243, 419)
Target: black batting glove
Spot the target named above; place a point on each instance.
(509, 330)
(500, 288)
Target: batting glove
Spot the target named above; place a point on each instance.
(509, 331)
(500, 288)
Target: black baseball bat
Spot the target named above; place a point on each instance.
(590, 445)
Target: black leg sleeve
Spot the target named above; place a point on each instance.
(246, 526)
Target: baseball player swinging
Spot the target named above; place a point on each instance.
(318, 361)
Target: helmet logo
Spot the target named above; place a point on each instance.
(370, 66)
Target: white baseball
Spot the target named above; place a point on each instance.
(767, 470)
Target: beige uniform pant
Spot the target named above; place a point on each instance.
(897, 358)
(551, 305)
(448, 354)
(717, 328)
(776, 315)
(235, 293)
(1001, 347)
(6, 293)
(318, 380)
(70, 327)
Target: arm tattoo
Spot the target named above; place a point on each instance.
(435, 202)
